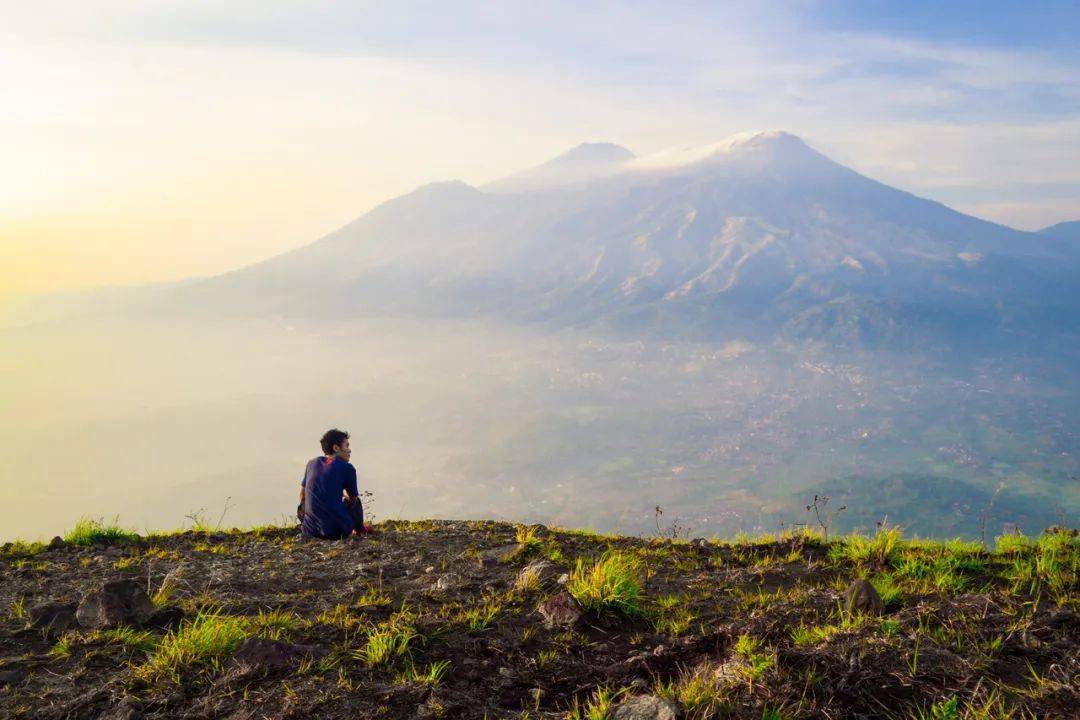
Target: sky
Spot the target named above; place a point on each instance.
(146, 141)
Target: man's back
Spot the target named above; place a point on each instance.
(324, 512)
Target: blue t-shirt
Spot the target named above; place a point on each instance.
(324, 512)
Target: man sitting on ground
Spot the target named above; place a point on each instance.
(323, 511)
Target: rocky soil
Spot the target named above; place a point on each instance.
(473, 620)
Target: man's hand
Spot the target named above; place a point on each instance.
(301, 494)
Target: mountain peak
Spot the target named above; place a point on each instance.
(583, 162)
(592, 153)
(777, 144)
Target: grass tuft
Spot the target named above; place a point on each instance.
(611, 584)
(203, 641)
(88, 531)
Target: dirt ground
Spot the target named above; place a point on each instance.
(454, 585)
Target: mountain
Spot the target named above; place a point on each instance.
(756, 235)
(1069, 231)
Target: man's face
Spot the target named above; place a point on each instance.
(343, 450)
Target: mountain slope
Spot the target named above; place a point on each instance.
(1068, 231)
(756, 234)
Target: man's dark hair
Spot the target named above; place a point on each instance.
(332, 438)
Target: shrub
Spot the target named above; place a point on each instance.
(612, 583)
(88, 531)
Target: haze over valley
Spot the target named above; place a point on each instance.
(722, 330)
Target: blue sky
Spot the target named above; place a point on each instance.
(234, 129)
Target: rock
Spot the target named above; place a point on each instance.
(256, 656)
(560, 610)
(164, 618)
(12, 677)
(54, 618)
(117, 602)
(539, 531)
(861, 596)
(646, 707)
(123, 711)
(445, 582)
(56, 543)
(563, 579)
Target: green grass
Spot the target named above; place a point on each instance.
(23, 549)
(758, 659)
(599, 706)
(878, 551)
(389, 641)
(991, 707)
(204, 641)
(700, 692)
(88, 531)
(530, 545)
(888, 589)
(481, 617)
(210, 637)
(671, 614)
(1051, 565)
(18, 609)
(431, 676)
(611, 584)
(1013, 544)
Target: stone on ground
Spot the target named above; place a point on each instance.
(117, 602)
(53, 617)
(646, 707)
(861, 596)
(560, 611)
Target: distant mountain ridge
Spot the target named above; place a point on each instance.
(1069, 230)
(757, 234)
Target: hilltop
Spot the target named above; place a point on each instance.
(440, 619)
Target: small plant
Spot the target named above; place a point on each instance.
(275, 624)
(169, 585)
(530, 545)
(388, 642)
(700, 692)
(674, 531)
(18, 609)
(61, 649)
(672, 614)
(599, 706)
(1013, 544)
(612, 583)
(88, 531)
(822, 514)
(481, 617)
(430, 676)
(758, 662)
(546, 657)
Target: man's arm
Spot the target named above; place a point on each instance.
(350, 483)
